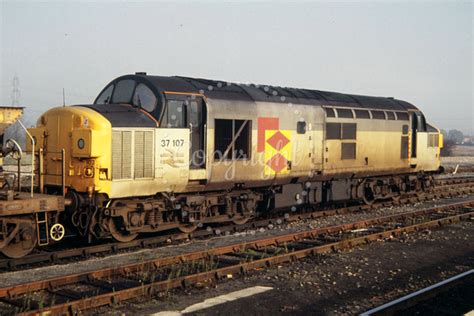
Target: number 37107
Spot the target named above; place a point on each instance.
(172, 142)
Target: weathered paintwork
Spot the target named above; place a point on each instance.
(308, 154)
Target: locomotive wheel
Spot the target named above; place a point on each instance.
(368, 196)
(117, 234)
(187, 228)
(22, 244)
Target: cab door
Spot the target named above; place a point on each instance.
(173, 147)
(414, 138)
(418, 136)
(188, 112)
(196, 122)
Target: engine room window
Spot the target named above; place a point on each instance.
(402, 116)
(390, 116)
(363, 114)
(344, 113)
(301, 127)
(123, 91)
(329, 112)
(379, 115)
(175, 116)
(348, 151)
(349, 131)
(144, 98)
(341, 131)
(105, 96)
(333, 130)
(232, 139)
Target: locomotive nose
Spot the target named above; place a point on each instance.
(83, 134)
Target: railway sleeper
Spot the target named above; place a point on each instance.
(228, 260)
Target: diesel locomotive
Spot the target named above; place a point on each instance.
(155, 153)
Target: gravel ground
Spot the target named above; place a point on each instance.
(466, 163)
(344, 283)
(463, 150)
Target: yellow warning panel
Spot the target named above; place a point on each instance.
(277, 151)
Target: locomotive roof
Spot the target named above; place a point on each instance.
(215, 89)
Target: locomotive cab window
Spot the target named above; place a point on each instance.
(105, 96)
(123, 91)
(232, 139)
(144, 98)
(175, 114)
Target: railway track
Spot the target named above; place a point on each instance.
(424, 300)
(447, 188)
(77, 292)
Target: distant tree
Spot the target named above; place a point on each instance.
(455, 135)
(447, 149)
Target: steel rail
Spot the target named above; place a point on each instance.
(54, 285)
(419, 296)
(149, 289)
(462, 185)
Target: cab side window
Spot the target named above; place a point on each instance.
(175, 114)
(421, 122)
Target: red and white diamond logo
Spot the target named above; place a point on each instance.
(278, 162)
(278, 141)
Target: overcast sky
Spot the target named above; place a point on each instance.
(420, 52)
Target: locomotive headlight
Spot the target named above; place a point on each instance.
(81, 143)
(88, 172)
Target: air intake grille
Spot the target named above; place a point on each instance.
(121, 155)
(143, 154)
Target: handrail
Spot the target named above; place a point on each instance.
(38, 171)
(32, 157)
